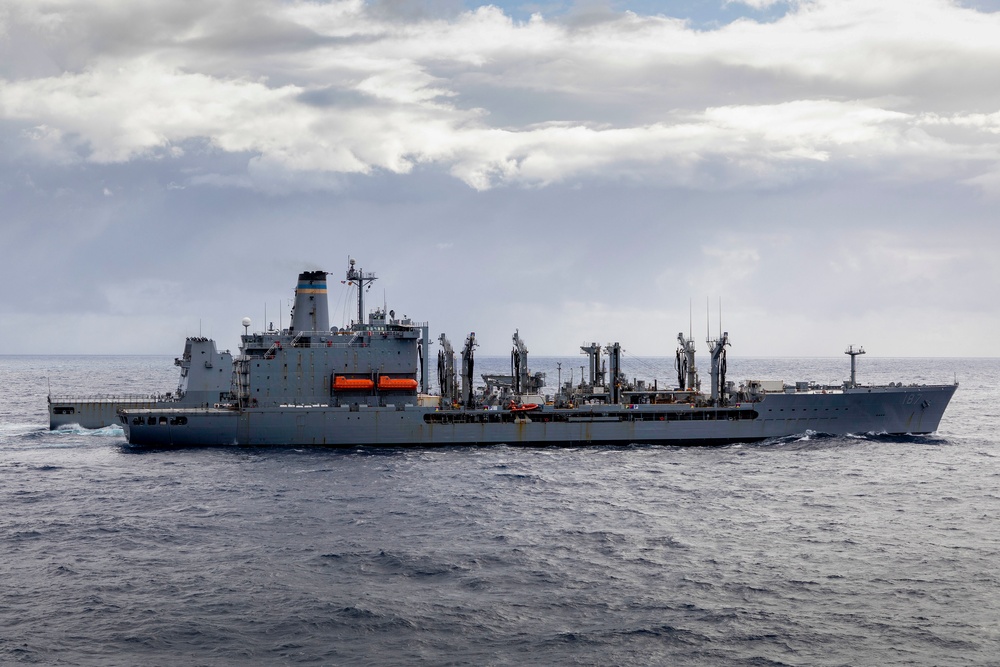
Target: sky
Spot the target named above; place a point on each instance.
(803, 174)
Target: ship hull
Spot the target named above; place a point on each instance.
(889, 410)
(93, 413)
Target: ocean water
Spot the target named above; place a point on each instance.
(810, 550)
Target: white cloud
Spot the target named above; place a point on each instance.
(336, 88)
(756, 4)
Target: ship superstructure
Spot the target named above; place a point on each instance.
(367, 385)
(310, 363)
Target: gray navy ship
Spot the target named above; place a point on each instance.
(368, 385)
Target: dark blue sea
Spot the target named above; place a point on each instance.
(809, 550)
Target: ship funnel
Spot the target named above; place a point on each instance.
(311, 311)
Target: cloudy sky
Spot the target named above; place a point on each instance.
(827, 170)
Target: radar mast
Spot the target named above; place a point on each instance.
(363, 281)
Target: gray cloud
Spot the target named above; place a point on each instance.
(829, 172)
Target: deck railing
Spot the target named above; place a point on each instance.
(111, 398)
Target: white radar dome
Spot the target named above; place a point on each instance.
(246, 321)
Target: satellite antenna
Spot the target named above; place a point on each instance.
(246, 326)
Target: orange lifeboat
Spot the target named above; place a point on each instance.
(386, 383)
(341, 383)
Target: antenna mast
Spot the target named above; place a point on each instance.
(360, 278)
(720, 317)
